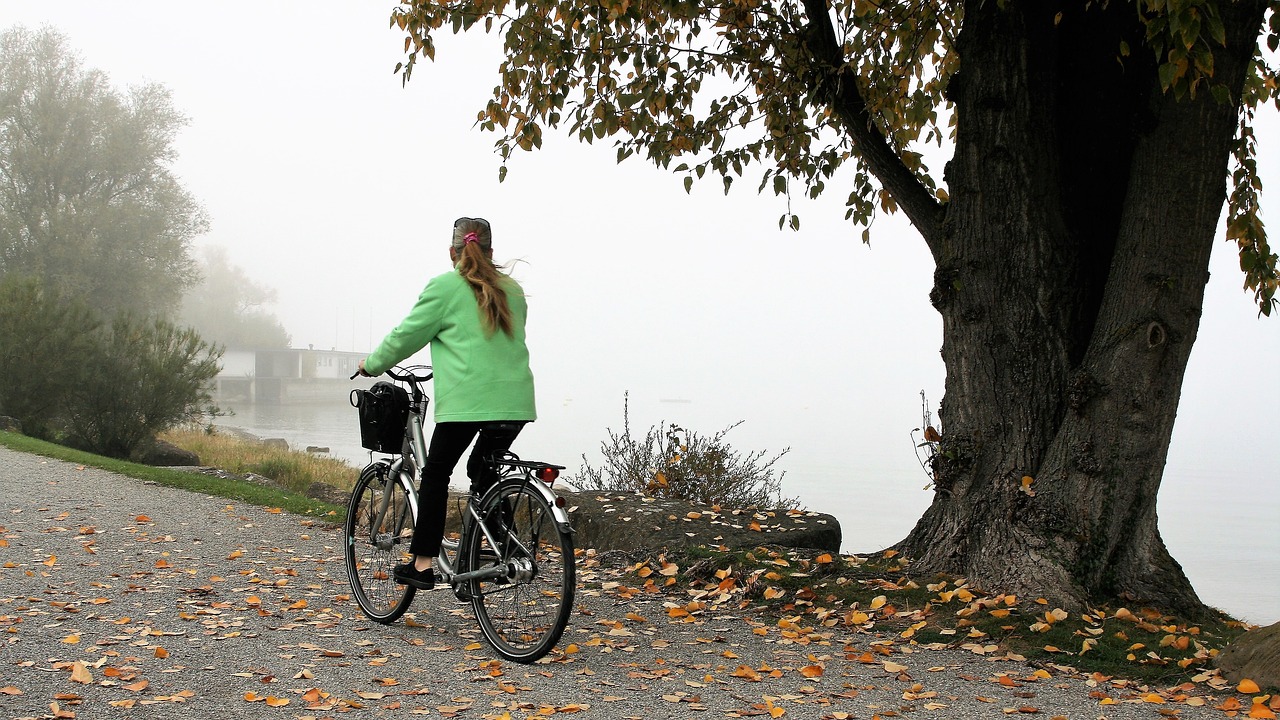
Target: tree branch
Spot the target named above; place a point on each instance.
(835, 82)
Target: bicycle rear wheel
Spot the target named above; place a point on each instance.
(523, 614)
(373, 550)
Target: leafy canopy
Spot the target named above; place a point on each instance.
(729, 87)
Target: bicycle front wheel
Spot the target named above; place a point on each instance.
(376, 534)
(523, 613)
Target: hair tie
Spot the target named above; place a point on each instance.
(470, 237)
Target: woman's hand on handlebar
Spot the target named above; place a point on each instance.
(360, 370)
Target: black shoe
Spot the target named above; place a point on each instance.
(407, 574)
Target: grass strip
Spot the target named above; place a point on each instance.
(230, 488)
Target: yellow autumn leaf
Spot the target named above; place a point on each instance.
(878, 602)
(893, 667)
(1248, 687)
(811, 671)
(81, 674)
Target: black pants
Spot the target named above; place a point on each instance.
(448, 442)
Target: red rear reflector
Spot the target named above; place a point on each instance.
(548, 475)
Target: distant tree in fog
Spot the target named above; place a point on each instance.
(227, 307)
(88, 202)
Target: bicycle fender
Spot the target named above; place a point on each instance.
(558, 513)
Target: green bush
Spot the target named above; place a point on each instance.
(147, 376)
(674, 462)
(46, 342)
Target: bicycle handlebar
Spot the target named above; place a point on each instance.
(403, 377)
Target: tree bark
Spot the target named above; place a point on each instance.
(1083, 206)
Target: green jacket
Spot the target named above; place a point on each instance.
(478, 376)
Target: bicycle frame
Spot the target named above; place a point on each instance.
(450, 567)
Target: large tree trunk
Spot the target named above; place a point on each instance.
(1071, 268)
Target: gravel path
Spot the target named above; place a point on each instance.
(118, 596)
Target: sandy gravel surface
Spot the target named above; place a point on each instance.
(119, 597)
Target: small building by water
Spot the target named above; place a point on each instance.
(284, 376)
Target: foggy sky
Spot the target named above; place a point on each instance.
(328, 181)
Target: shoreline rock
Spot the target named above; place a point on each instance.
(634, 523)
(1254, 655)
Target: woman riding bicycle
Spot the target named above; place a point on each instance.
(473, 317)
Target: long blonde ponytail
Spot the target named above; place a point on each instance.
(473, 248)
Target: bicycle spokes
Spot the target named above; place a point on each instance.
(522, 610)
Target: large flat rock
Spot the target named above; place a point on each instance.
(631, 522)
(1254, 655)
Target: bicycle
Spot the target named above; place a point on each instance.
(513, 559)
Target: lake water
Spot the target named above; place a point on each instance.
(1219, 525)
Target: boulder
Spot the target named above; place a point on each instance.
(9, 424)
(163, 454)
(1254, 655)
(628, 522)
(637, 523)
(328, 493)
(277, 443)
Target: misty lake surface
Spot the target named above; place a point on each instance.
(1221, 526)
